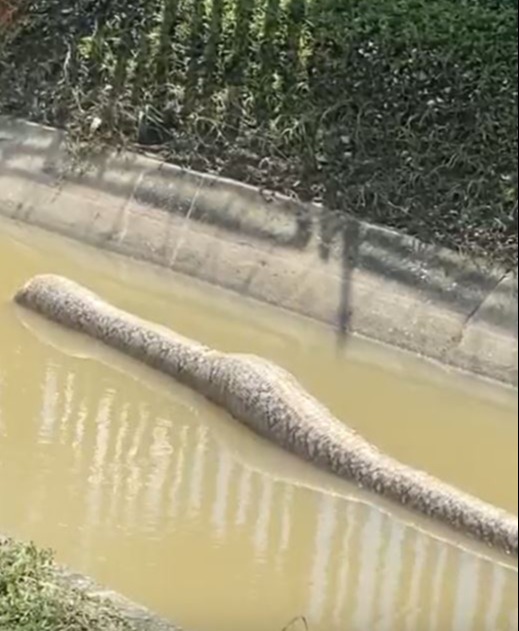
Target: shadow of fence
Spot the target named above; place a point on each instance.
(294, 95)
(271, 92)
(437, 274)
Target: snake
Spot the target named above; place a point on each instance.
(271, 402)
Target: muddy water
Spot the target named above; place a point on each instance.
(145, 486)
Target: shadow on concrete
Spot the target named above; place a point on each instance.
(438, 274)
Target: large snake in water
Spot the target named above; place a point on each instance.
(271, 402)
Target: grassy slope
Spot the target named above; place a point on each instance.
(402, 112)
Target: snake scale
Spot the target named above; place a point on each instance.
(271, 402)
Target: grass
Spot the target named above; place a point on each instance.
(32, 598)
(400, 112)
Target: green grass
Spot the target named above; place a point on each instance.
(400, 112)
(32, 598)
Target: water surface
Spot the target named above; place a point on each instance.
(156, 493)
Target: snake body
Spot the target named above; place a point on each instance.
(271, 402)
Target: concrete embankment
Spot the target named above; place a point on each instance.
(352, 276)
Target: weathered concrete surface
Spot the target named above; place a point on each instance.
(353, 276)
(140, 618)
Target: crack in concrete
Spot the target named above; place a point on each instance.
(458, 339)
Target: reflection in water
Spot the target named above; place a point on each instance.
(198, 470)
(265, 513)
(466, 594)
(94, 496)
(361, 568)
(370, 546)
(64, 426)
(134, 472)
(178, 472)
(49, 404)
(323, 546)
(390, 576)
(117, 465)
(496, 598)
(439, 571)
(286, 523)
(221, 495)
(97, 469)
(2, 426)
(160, 456)
(344, 578)
(157, 497)
(244, 496)
(420, 551)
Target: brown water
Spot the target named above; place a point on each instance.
(150, 489)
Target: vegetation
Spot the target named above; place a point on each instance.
(33, 599)
(401, 112)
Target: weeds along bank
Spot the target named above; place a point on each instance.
(32, 596)
(402, 112)
(38, 595)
